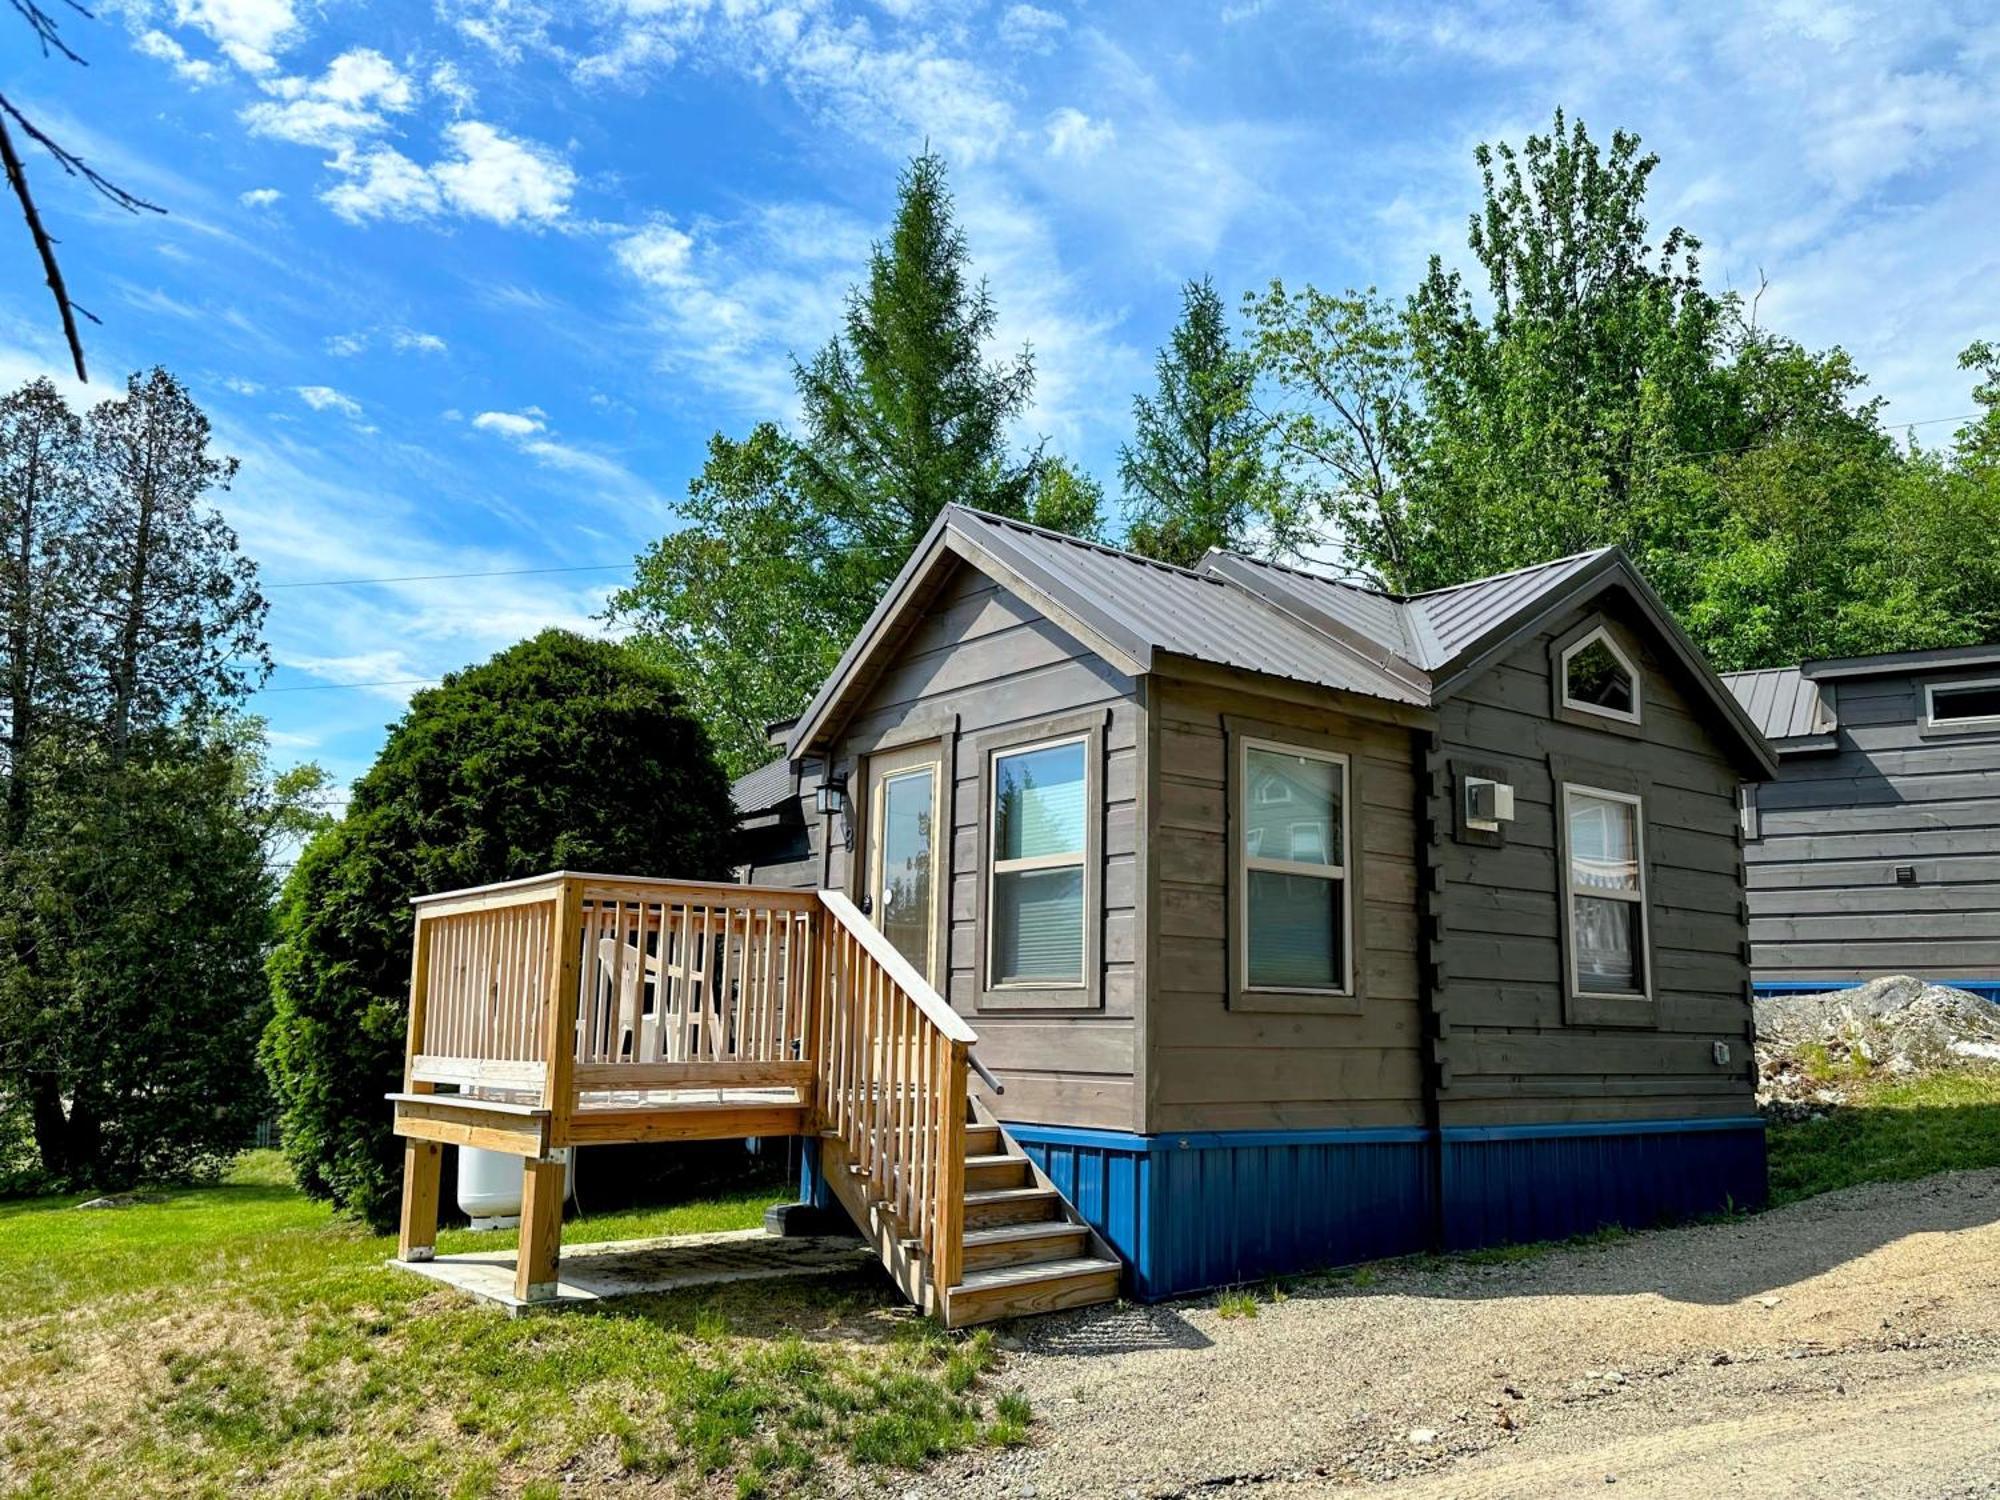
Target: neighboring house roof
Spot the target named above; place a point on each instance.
(1237, 612)
(768, 786)
(1784, 703)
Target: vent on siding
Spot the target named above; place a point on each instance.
(1906, 874)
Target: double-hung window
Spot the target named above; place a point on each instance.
(1292, 895)
(1039, 838)
(1606, 893)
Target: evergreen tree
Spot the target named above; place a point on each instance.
(792, 539)
(1199, 471)
(903, 414)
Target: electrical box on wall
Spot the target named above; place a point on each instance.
(1488, 804)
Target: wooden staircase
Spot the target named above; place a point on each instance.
(1024, 1249)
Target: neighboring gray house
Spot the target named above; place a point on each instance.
(774, 844)
(1877, 848)
(1301, 922)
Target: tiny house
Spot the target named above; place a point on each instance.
(1114, 925)
(1302, 923)
(1876, 848)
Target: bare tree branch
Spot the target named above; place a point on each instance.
(47, 28)
(18, 180)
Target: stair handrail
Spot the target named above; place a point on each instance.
(891, 1069)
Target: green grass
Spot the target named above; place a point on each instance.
(238, 1338)
(1890, 1132)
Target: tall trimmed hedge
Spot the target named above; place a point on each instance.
(559, 753)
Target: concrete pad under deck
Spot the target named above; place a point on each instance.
(630, 1268)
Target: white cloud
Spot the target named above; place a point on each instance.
(1074, 136)
(347, 345)
(733, 303)
(326, 398)
(241, 386)
(381, 184)
(411, 341)
(347, 103)
(449, 84)
(512, 424)
(262, 197)
(157, 44)
(1031, 28)
(250, 32)
(494, 176)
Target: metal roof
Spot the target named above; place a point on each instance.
(1458, 619)
(1238, 612)
(1202, 616)
(764, 788)
(1783, 702)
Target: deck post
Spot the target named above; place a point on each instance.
(423, 1163)
(535, 1265)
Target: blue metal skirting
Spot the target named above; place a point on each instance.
(1986, 989)
(1188, 1212)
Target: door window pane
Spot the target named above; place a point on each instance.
(1038, 802)
(905, 915)
(1038, 926)
(1293, 931)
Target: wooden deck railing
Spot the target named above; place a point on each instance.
(629, 984)
(577, 1008)
(891, 1073)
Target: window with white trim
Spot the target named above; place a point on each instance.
(1962, 705)
(1599, 678)
(1292, 862)
(1606, 907)
(1039, 842)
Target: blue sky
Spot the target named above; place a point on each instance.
(466, 286)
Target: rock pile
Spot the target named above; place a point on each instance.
(1812, 1048)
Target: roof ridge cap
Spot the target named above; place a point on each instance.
(1125, 554)
(1554, 562)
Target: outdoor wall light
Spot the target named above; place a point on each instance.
(831, 797)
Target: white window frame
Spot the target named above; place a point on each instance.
(996, 866)
(1571, 890)
(1618, 655)
(1247, 862)
(1958, 726)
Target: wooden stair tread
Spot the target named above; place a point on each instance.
(1027, 1194)
(996, 1159)
(1036, 1229)
(993, 1277)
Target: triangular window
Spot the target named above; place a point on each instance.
(1598, 678)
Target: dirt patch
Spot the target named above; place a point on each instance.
(1535, 1376)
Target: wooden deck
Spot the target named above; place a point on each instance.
(571, 1010)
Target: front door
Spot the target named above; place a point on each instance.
(903, 872)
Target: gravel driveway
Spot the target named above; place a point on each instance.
(1847, 1345)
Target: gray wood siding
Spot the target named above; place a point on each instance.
(1508, 1052)
(982, 659)
(1825, 902)
(1213, 1068)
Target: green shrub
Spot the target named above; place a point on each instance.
(559, 753)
